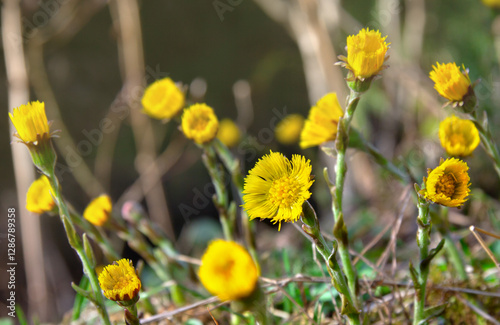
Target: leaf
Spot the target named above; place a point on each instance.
(83, 292)
(414, 276)
(426, 261)
(340, 230)
(432, 312)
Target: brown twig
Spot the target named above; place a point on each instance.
(125, 14)
(178, 311)
(18, 94)
(484, 246)
(477, 310)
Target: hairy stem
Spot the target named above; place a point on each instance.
(341, 171)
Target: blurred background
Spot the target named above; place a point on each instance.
(253, 61)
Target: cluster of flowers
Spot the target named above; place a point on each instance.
(277, 188)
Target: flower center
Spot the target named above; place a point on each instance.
(457, 139)
(158, 94)
(284, 192)
(200, 123)
(446, 185)
(225, 267)
(121, 283)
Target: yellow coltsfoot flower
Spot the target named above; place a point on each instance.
(228, 271)
(39, 198)
(99, 210)
(163, 99)
(288, 129)
(200, 123)
(495, 4)
(454, 85)
(119, 281)
(448, 184)
(459, 137)
(33, 130)
(229, 133)
(31, 123)
(366, 54)
(321, 124)
(277, 187)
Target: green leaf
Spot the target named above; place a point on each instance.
(83, 292)
(21, 317)
(79, 299)
(414, 276)
(87, 247)
(426, 261)
(432, 312)
(340, 230)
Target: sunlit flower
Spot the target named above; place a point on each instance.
(448, 184)
(99, 210)
(228, 271)
(163, 99)
(229, 133)
(458, 137)
(321, 124)
(492, 3)
(200, 123)
(119, 281)
(288, 129)
(450, 82)
(366, 53)
(31, 122)
(277, 187)
(39, 198)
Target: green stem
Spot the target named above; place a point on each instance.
(487, 141)
(232, 164)
(341, 170)
(423, 241)
(131, 315)
(76, 244)
(140, 221)
(382, 161)
(311, 227)
(95, 234)
(220, 199)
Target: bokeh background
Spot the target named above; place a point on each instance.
(253, 61)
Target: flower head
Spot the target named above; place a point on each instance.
(163, 99)
(39, 198)
(448, 184)
(277, 187)
(119, 281)
(366, 53)
(98, 210)
(200, 123)
(321, 124)
(229, 133)
(31, 123)
(228, 271)
(492, 3)
(288, 129)
(450, 82)
(458, 137)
